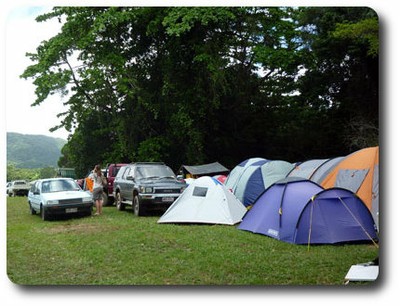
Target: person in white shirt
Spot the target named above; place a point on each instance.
(97, 177)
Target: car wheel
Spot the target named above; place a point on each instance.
(88, 212)
(105, 198)
(118, 202)
(44, 214)
(33, 212)
(138, 208)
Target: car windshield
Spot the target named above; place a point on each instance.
(59, 185)
(19, 183)
(154, 171)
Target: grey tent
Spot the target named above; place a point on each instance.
(315, 169)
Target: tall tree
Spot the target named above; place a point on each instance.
(342, 79)
(198, 84)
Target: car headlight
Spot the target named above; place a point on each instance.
(52, 202)
(146, 189)
(85, 200)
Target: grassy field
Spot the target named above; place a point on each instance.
(118, 248)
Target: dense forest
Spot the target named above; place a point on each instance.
(191, 85)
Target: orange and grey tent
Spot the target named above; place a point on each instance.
(359, 172)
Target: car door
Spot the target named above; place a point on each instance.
(35, 196)
(124, 184)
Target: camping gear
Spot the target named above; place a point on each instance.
(236, 173)
(299, 211)
(315, 169)
(251, 177)
(220, 177)
(276, 211)
(242, 182)
(205, 200)
(363, 272)
(263, 175)
(359, 172)
(307, 168)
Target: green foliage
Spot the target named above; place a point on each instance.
(29, 174)
(183, 19)
(14, 173)
(183, 84)
(153, 150)
(365, 31)
(118, 248)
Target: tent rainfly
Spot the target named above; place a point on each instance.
(359, 173)
(259, 177)
(315, 169)
(237, 172)
(205, 200)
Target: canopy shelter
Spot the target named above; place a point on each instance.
(203, 170)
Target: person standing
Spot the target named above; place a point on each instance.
(97, 178)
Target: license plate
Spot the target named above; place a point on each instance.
(71, 210)
(167, 199)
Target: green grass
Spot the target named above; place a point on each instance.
(118, 248)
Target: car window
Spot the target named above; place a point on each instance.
(59, 185)
(154, 171)
(129, 172)
(36, 187)
(115, 170)
(125, 172)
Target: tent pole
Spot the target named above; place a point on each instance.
(354, 217)
(309, 229)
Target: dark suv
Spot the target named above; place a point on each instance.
(146, 186)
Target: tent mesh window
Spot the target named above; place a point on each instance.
(200, 191)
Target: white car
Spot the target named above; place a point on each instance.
(18, 188)
(58, 196)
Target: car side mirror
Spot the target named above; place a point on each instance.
(36, 192)
(130, 177)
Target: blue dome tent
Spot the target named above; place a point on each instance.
(299, 211)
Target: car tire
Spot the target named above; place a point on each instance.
(138, 209)
(44, 214)
(118, 202)
(32, 211)
(105, 198)
(88, 212)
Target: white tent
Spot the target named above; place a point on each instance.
(205, 200)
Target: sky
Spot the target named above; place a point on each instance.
(20, 34)
(24, 34)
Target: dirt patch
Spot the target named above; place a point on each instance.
(77, 228)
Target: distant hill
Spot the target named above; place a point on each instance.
(33, 151)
